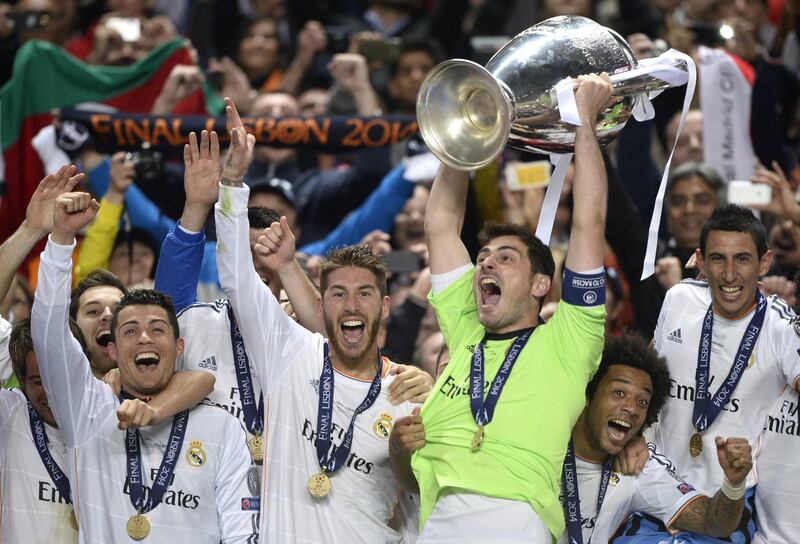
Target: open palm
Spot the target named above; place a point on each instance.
(39, 215)
(202, 169)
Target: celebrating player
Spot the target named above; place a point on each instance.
(185, 477)
(730, 351)
(492, 456)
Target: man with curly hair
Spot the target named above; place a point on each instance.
(623, 398)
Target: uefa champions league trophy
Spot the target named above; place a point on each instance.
(467, 113)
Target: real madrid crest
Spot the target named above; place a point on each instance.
(195, 455)
(383, 426)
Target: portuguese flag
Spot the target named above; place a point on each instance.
(46, 78)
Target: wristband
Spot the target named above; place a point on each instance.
(232, 182)
(733, 492)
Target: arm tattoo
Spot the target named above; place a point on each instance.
(717, 516)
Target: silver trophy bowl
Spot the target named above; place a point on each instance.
(467, 113)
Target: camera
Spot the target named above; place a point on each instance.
(147, 163)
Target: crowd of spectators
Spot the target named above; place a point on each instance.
(368, 58)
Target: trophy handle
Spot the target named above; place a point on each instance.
(662, 72)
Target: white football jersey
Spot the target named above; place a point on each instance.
(31, 508)
(778, 488)
(658, 490)
(288, 359)
(773, 363)
(205, 328)
(210, 497)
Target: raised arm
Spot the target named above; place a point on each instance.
(37, 224)
(276, 247)
(182, 251)
(444, 218)
(590, 188)
(80, 402)
(719, 515)
(350, 71)
(269, 334)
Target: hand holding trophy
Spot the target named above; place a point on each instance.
(467, 113)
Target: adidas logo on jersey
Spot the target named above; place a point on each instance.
(675, 336)
(209, 364)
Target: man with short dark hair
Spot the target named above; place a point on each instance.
(730, 352)
(184, 477)
(497, 424)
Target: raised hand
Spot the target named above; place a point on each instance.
(72, 212)
(276, 246)
(735, 457)
(201, 169)
(183, 80)
(240, 152)
(39, 215)
(668, 271)
(350, 71)
(235, 82)
(378, 242)
(592, 96)
(782, 203)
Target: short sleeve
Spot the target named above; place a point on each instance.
(456, 310)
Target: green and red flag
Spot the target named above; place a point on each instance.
(46, 78)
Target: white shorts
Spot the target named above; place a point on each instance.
(469, 518)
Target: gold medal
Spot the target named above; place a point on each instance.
(257, 448)
(138, 527)
(319, 485)
(696, 444)
(477, 439)
(73, 521)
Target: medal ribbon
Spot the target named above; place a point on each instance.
(330, 462)
(572, 501)
(41, 442)
(165, 470)
(707, 409)
(483, 410)
(253, 413)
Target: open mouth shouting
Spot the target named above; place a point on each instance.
(490, 291)
(619, 431)
(146, 361)
(103, 337)
(353, 330)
